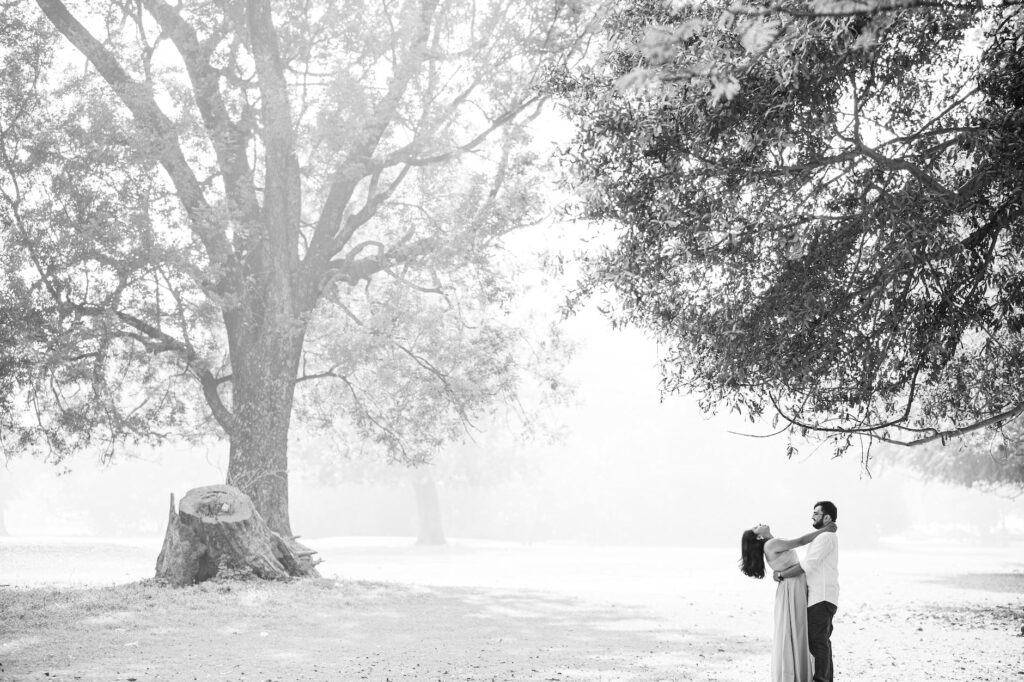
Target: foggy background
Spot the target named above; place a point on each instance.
(627, 468)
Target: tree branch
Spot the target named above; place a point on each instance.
(369, 209)
(352, 270)
(405, 155)
(902, 164)
(228, 140)
(148, 116)
(166, 342)
(358, 159)
(871, 8)
(946, 434)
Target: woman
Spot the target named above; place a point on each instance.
(791, 658)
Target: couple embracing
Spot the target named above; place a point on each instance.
(806, 596)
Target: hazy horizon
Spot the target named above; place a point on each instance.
(632, 469)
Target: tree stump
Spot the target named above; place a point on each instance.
(218, 529)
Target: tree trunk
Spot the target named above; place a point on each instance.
(218, 530)
(263, 389)
(428, 508)
(5, 493)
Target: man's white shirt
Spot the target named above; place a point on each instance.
(821, 565)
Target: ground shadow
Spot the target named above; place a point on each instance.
(336, 630)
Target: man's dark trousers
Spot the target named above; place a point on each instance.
(819, 637)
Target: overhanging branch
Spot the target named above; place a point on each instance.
(933, 434)
(944, 435)
(871, 8)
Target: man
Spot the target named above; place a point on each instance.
(821, 565)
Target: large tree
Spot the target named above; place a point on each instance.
(820, 206)
(185, 185)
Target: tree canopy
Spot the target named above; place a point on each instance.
(819, 206)
(416, 374)
(187, 189)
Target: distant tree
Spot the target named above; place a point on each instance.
(5, 495)
(980, 461)
(183, 187)
(820, 206)
(491, 375)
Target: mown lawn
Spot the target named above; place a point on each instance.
(485, 612)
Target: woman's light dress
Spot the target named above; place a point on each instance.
(791, 658)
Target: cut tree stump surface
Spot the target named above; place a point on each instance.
(216, 529)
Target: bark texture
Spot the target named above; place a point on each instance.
(264, 362)
(217, 529)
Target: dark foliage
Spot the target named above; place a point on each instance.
(819, 207)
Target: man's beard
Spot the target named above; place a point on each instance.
(817, 525)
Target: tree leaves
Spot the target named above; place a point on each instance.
(812, 216)
(757, 34)
(724, 88)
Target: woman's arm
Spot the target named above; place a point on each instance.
(791, 572)
(781, 544)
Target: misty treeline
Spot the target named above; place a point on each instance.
(222, 218)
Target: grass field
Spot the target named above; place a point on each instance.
(385, 610)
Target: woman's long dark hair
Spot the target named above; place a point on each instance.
(752, 555)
